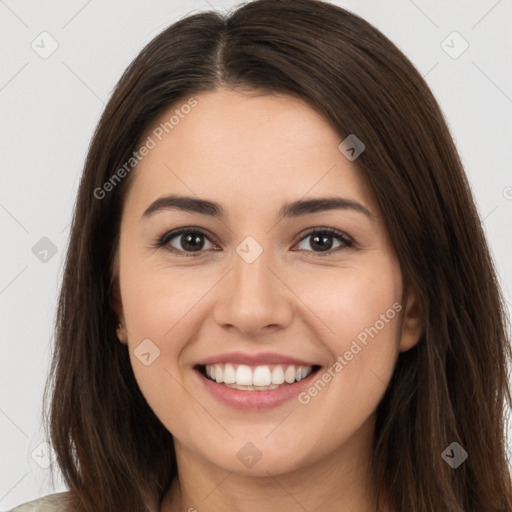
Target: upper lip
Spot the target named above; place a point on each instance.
(261, 358)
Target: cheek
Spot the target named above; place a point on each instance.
(160, 297)
(360, 312)
(156, 320)
(152, 305)
(161, 306)
(349, 301)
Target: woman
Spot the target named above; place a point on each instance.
(277, 295)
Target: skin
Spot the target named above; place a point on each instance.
(251, 153)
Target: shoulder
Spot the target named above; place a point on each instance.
(51, 503)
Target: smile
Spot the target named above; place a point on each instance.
(254, 381)
(257, 378)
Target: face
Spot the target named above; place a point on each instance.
(305, 312)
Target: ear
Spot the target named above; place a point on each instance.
(118, 303)
(412, 320)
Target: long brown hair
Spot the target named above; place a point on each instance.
(112, 450)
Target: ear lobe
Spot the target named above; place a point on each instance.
(412, 321)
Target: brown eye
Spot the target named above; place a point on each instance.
(321, 241)
(187, 241)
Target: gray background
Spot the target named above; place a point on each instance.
(50, 106)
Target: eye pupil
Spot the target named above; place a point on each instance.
(191, 240)
(323, 238)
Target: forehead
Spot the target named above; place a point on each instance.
(247, 149)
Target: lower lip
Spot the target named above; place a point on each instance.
(254, 400)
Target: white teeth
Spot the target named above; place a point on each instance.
(278, 375)
(252, 388)
(260, 377)
(244, 375)
(229, 374)
(219, 373)
(290, 374)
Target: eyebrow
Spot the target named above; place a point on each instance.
(288, 210)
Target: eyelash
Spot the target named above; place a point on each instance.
(163, 240)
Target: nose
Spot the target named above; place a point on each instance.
(253, 297)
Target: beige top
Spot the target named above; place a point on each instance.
(50, 503)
